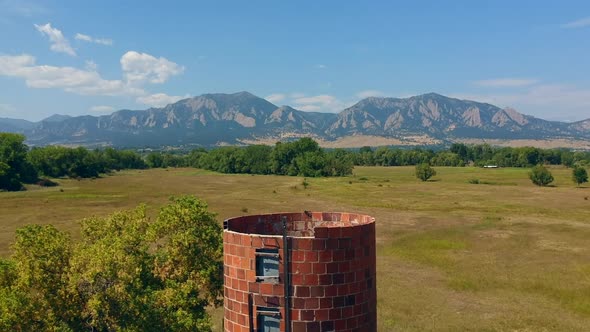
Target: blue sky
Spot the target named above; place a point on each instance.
(84, 57)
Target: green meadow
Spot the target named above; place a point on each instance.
(452, 255)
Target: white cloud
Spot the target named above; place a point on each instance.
(159, 99)
(320, 99)
(309, 108)
(295, 95)
(89, 82)
(86, 82)
(83, 37)
(103, 41)
(321, 66)
(59, 43)
(101, 109)
(142, 67)
(7, 110)
(370, 93)
(137, 70)
(87, 38)
(325, 103)
(91, 65)
(21, 8)
(506, 82)
(581, 23)
(551, 101)
(275, 97)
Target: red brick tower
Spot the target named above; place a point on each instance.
(300, 272)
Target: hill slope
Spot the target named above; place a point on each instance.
(214, 119)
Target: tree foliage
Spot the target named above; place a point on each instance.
(14, 167)
(127, 273)
(424, 172)
(460, 154)
(303, 157)
(59, 161)
(579, 175)
(540, 175)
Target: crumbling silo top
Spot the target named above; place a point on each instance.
(306, 224)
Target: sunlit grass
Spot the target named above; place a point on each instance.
(505, 255)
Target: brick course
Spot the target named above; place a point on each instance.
(332, 264)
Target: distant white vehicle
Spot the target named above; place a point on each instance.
(490, 166)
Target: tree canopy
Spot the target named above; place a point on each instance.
(127, 273)
(540, 175)
(579, 175)
(424, 172)
(14, 167)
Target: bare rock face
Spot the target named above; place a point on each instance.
(394, 121)
(472, 117)
(581, 126)
(244, 120)
(500, 119)
(516, 117)
(231, 118)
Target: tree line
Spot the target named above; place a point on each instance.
(460, 154)
(303, 157)
(19, 164)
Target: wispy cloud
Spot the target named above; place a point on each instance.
(90, 39)
(101, 109)
(508, 82)
(321, 66)
(21, 8)
(295, 95)
(581, 23)
(91, 65)
(275, 97)
(552, 101)
(370, 93)
(59, 43)
(7, 110)
(159, 99)
(323, 103)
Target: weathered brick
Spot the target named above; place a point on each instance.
(332, 274)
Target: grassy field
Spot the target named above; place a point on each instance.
(502, 255)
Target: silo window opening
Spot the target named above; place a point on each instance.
(267, 264)
(268, 319)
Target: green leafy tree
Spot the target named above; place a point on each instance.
(42, 256)
(14, 167)
(461, 150)
(424, 171)
(127, 273)
(540, 175)
(579, 175)
(154, 160)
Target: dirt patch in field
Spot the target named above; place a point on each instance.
(538, 143)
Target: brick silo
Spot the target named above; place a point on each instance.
(300, 272)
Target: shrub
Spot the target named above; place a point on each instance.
(305, 183)
(579, 175)
(46, 183)
(424, 172)
(540, 175)
(474, 181)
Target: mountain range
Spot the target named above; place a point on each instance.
(243, 118)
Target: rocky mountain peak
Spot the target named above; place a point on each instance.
(220, 117)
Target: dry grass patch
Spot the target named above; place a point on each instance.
(451, 256)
